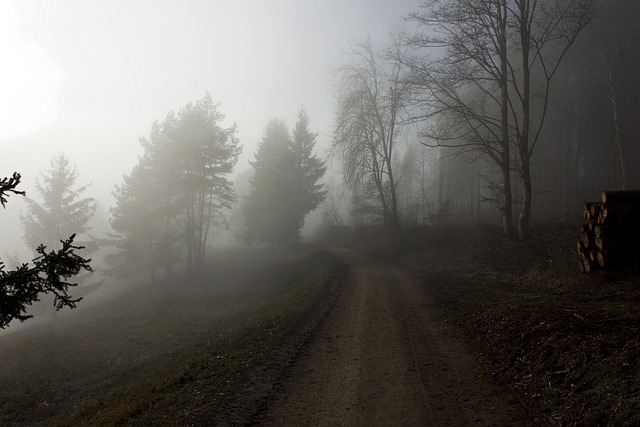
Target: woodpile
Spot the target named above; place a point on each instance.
(611, 237)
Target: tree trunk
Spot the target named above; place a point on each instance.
(525, 212)
(507, 213)
(505, 166)
(523, 138)
(395, 219)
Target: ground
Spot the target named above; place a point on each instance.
(385, 356)
(564, 342)
(454, 327)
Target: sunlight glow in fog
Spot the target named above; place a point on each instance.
(29, 81)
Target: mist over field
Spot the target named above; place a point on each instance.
(88, 80)
(358, 212)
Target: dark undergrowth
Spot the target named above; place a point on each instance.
(567, 342)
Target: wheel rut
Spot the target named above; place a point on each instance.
(383, 356)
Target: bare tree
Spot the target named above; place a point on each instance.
(546, 31)
(333, 206)
(460, 80)
(372, 98)
(490, 62)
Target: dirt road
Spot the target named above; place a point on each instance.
(383, 357)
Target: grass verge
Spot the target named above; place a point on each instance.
(205, 379)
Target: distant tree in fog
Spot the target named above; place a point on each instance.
(372, 98)
(483, 71)
(62, 211)
(166, 206)
(309, 169)
(49, 274)
(284, 186)
(207, 154)
(334, 205)
(235, 221)
(268, 215)
(143, 219)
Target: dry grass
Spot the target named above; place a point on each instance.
(173, 352)
(567, 342)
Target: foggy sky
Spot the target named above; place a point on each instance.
(104, 71)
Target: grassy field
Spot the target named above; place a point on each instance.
(174, 352)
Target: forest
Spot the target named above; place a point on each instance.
(513, 127)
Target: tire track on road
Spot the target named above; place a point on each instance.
(382, 357)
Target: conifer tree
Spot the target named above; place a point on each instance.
(63, 211)
(309, 169)
(166, 206)
(268, 214)
(284, 186)
(49, 274)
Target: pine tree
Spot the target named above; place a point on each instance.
(142, 219)
(207, 153)
(166, 206)
(309, 169)
(284, 186)
(49, 274)
(268, 208)
(63, 211)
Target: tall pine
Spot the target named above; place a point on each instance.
(62, 212)
(165, 208)
(309, 169)
(268, 214)
(207, 153)
(284, 186)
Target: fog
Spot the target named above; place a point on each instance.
(89, 78)
(306, 212)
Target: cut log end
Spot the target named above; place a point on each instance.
(601, 259)
(611, 238)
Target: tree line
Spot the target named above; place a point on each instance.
(180, 189)
(485, 110)
(494, 111)
(166, 208)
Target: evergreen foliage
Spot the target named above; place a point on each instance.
(50, 272)
(166, 206)
(310, 169)
(9, 185)
(284, 186)
(63, 211)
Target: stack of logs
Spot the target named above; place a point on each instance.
(610, 239)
